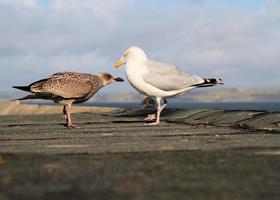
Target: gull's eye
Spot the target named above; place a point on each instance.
(125, 54)
(107, 76)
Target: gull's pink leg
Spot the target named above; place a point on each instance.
(65, 114)
(69, 121)
(159, 109)
(150, 117)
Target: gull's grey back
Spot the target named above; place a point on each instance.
(168, 77)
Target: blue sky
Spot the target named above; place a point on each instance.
(242, 3)
(237, 41)
(169, 5)
(45, 3)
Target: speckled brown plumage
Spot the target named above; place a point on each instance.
(68, 85)
(67, 88)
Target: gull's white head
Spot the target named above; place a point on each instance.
(134, 54)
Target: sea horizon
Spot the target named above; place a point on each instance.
(257, 106)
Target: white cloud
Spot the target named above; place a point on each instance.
(20, 3)
(103, 10)
(209, 39)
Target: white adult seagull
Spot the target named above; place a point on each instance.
(159, 80)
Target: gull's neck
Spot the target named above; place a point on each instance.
(137, 58)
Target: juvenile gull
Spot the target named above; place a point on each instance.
(159, 80)
(68, 88)
(148, 102)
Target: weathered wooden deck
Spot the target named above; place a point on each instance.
(195, 154)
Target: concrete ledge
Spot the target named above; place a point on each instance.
(16, 108)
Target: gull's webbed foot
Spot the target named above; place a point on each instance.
(152, 124)
(73, 126)
(150, 117)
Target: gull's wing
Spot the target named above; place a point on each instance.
(66, 85)
(168, 77)
(70, 75)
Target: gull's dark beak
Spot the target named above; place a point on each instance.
(118, 79)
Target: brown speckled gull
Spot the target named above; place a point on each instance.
(67, 88)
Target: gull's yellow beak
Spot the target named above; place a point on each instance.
(119, 63)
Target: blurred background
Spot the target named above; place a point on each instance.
(237, 41)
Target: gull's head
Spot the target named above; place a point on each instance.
(134, 54)
(108, 78)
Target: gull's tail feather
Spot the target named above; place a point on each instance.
(209, 82)
(23, 88)
(34, 96)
